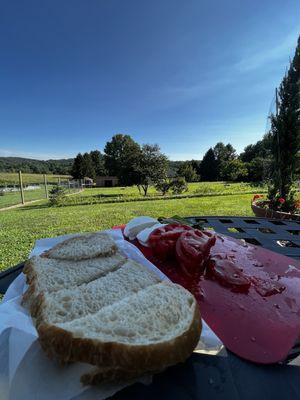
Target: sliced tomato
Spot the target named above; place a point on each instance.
(163, 240)
(267, 287)
(193, 248)
(228, 274)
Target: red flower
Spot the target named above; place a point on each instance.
(257, 196)
(281, 200)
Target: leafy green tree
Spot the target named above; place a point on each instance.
(196, 165)
(234, 170)
(258, 169)
(98, 162)
(121, 156)
(77, 169)
(285, 130)
(209, 166)
(88, 166)
(187, 171)
(151, 167)
(223, 153)
(261, 149)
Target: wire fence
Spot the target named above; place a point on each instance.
(16, 189)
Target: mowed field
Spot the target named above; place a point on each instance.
(19, 228)
(116, 194)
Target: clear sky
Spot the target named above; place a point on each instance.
(184, 74)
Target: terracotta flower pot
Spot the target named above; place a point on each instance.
(269, 213)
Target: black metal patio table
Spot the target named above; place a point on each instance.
(223, 376)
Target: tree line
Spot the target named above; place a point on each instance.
(134, 164)
(126, 159)
(31, 166)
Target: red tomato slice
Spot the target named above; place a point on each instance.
(163, 240)
(192, 250)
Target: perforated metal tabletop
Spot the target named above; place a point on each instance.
(280, 236)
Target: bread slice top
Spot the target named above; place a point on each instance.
(46, 275)
(72, 303)
(156, 314)
(84, 246)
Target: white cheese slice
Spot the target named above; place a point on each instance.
(136, 225)
(143, 236)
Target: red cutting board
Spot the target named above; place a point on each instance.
(258, 327)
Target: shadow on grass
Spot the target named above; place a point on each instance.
(34, 207)
(107, 195)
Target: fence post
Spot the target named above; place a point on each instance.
(21, 187)
(46, 186)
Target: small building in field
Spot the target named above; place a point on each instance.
(88, 182)
(106, 181)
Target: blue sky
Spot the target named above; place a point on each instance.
(183, 74)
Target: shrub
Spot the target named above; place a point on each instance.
(57, 195)
(178, 185)
(163, 186)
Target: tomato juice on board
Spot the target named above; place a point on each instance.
(251, 300)
(260, 324)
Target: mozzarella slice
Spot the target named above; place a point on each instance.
(143, 236)
(136, 225)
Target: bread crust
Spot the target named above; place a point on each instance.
(49, 253)
(61, 345)
(30, 296)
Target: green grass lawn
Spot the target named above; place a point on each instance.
(19, 228)
(197, 189)
(99, 195)
(193, 188)
(12, 198)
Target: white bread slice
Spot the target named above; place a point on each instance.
(69, 304)
(150, 330)
(83, 247)
(46, 275)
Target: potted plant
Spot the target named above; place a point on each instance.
(277, 207)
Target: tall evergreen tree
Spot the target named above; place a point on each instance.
(98, 162)
(87, 166)
(223, 154)
(285, 130)
(208, 166)
(77, 169)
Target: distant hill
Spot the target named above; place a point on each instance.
(57, 167)
(28, 165)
